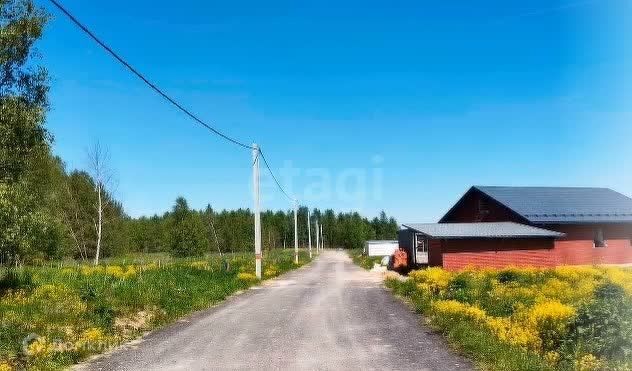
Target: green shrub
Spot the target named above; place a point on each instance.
(604, 326)
(461, 288)
(365, 261)
(14, 279)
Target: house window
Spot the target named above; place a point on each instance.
(599, 240)
(483, 210)
(420, 243)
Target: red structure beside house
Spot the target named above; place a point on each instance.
(526, 226)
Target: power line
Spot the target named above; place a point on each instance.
(145, 80)
(274, 177)
(164, 95)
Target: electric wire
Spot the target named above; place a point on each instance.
(143, 78)
(265, 161)
(164, 95)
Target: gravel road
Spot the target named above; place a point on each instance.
(330, 315)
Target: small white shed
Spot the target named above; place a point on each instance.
(380, 248)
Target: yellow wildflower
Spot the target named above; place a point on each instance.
(199, 264)
(40, 348)
(552, 358)
(58, 299)
(454, 308)
(247, 277)
(588, 362)
(437, 279)
(88, 270)
(514, 334)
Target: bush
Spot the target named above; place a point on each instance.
(13, 279)
(565, 318)
(604, 326)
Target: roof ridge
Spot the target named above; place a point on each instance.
(550, 187)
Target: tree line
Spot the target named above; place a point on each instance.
(50, 212)
(183, 231)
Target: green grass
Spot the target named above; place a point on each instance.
(362, 260)
(86, 307)
(477, 343)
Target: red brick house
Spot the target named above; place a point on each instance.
(526, 226)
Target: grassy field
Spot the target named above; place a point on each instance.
(52, 317)
(568, 318)
(362, 260)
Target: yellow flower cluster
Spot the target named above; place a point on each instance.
(436, 279)
(58, 299)
(40, 348)
(503, 328)
(539, 304)
(121, 272)
(549, 316)
(201, 264)
(247, 277)
(91, 338)
(17, 297)
(455, 308)
(589, 363)
(5, 366)
(270, 271)
(513, 333)
(622, 277)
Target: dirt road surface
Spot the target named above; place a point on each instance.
(330, 315)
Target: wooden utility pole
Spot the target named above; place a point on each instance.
(322, 238)
(309, 233)
(295, 231)
(255, 180)
(317, 238)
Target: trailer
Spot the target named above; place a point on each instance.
(380, 248)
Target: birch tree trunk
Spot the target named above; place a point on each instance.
(99, 222)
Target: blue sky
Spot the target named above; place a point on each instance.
(398, 106)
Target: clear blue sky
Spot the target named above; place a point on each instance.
(429, 97)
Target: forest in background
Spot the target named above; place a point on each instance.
(50, 212)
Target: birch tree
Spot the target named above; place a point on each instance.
(99, 158)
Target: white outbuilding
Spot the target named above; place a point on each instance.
(380, 248)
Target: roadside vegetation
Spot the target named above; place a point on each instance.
(51, 318)
(51, 212)
(567, 318)
(365, 261)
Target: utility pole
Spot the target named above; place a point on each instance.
(295, 231)
(317, 238)
(309, 234)
(255, 180)
(322, 237)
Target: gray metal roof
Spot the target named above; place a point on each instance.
(482, 230)
(563, 204)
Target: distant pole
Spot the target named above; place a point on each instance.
(295, 231)
(322, 237)
(317, 238)
(255, 180)
(309, 234)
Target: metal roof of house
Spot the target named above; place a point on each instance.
(482, 230)
(563, 204)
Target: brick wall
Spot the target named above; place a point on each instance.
(497, 253)
(578, 247)
(575, 249)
